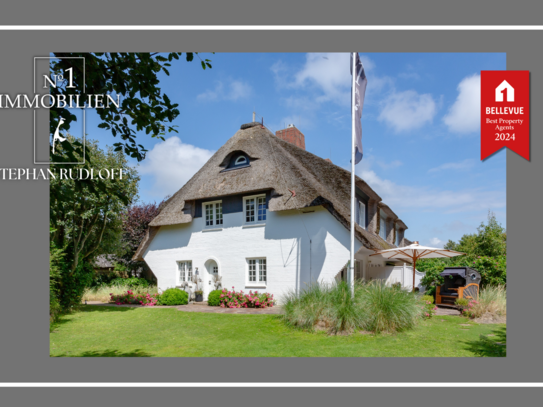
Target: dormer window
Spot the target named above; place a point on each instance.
(238, 160)
(383, 226)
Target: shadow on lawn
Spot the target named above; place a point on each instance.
(494, 346)
(108, 353)
(64, 318)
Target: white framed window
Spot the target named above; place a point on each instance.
(383, 227)
(212, 212)
(184, 271)
(362, 214)
(257, 274)
(254, 209)
(215, 269)
(397, 236)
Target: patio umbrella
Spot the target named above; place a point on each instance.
(413, 252)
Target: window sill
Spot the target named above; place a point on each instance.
(254, 286)
(211, 229)
(255, 225)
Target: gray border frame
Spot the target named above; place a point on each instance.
(26, 344)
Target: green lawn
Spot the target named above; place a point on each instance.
(112, 331)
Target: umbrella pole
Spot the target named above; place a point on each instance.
(414, 269)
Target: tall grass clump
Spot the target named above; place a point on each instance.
(102, 293)
(389, 308)
(306, 309)
(375, 307)
(492, 299)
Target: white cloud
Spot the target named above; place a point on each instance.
(460, 166)
(407, 110)
(233, 90)
(464, 116)
(329, 72)
(172, 163)
(239, 90)
(436, 242)
(389, 165)
(428, 198)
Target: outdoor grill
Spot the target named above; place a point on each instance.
(460, 282)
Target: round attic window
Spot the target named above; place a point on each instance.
(238, 160)
(241, 160)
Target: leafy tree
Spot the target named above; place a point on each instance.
(56, 264)
(134, 76)
(485, 251)
(89, 224)
(136, 220)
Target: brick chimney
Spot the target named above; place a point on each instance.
(292, 135)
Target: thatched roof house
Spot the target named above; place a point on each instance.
(298, 190)
(297, 179)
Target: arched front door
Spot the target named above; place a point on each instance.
(212, 269)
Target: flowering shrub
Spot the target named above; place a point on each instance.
(469, 311)
(427, 306)
(233, 299)
(146, 300)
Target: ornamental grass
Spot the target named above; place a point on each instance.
(375, 307)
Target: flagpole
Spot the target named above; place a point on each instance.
(353, 202)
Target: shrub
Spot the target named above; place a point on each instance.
(129, 297)
(214, 298)
(173, 296)
(56, 264)
(427, 306)
(375, 307)
(491, 300)
(102, 293)
(462, 304)
(130, 282)
(73, 284)
(233, 299)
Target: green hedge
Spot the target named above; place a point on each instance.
(214, 298)
(173, 296)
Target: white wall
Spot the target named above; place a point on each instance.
(395, 274)
(283, 241)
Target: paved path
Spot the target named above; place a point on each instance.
(447, 311)
(203, 307)
(199, 307)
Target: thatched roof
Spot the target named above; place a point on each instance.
(275, 165)
(105, 261)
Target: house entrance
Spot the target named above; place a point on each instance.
(212, 270)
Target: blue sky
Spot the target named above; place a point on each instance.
(420, 128)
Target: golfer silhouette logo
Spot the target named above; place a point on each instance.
(57, 135)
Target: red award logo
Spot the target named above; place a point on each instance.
(505, 112)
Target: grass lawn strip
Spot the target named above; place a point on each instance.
(110, 331)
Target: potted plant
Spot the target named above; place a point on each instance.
(198, 289)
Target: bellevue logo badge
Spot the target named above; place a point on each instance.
(507, 88)
(505, 112)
